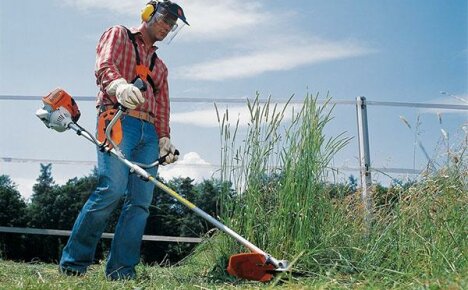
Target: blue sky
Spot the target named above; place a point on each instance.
(409, 51)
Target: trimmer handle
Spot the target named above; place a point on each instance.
(140, 84)
(163, 158)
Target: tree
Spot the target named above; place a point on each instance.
(41, 213)
(12, 210)
(42, 200)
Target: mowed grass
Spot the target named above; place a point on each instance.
(14, 275)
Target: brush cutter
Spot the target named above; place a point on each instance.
(61, 113)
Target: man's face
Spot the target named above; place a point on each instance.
(161, 26)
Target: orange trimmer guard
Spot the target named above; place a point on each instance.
(250, 266)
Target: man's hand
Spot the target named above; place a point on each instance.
(127, 94)
(167, 150)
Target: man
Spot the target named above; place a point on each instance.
(129, 73)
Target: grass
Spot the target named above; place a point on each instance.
(15, 275)
(283, 204)
(278, 170)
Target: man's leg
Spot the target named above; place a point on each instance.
(125, 249)
(79, 252)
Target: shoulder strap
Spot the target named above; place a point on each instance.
(153, 60)
(150, 80)
(132, 38)
(138, 62)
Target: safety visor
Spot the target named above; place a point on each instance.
(170, 13)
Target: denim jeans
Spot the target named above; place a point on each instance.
(139, 144)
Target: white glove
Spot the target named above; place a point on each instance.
(127, 94)
(168, 150)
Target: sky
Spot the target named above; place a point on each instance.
(396, 51)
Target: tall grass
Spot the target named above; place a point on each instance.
(278, 168)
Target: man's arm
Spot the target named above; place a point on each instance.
(109, 53)
(163, 109)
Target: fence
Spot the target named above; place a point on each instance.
(365, 166)
(49, 232)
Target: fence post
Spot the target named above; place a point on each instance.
(364, 157)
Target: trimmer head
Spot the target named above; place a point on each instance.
(251, 266)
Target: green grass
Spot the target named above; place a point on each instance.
(278, 168)
(45, 276)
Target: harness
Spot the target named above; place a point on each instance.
(142, 71)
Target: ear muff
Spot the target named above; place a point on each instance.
(148, 11)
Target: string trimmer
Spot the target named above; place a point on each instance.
(60, 112)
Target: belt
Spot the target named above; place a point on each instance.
(145, 116)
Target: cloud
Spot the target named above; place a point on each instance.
(201, 118)
(213, 19)
(267, 59)
(209, 19)
(208, 118)
(259, 41)
(190, 165)
(122, 7)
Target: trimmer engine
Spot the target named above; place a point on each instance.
(59, 110)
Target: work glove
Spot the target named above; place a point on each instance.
(127, 94)
(167, 151)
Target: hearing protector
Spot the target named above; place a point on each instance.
(149, 10)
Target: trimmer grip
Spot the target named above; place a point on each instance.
(162, 159)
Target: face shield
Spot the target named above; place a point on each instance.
(172, 15)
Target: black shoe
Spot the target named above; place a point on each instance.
(70, 272)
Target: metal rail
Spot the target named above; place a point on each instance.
(244, 100)
(50, 232)
(6, 159)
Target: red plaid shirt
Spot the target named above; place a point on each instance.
(116, 59)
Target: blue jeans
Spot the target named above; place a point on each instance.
(139, 144)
